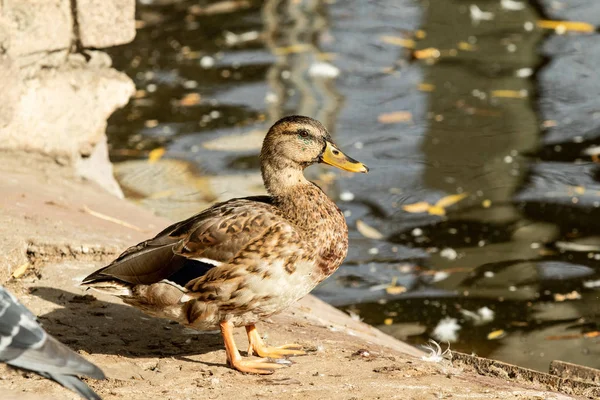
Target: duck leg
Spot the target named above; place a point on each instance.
(257, 345)
(235, 360)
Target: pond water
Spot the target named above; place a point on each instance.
(477, 223)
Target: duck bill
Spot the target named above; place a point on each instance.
(334, 157)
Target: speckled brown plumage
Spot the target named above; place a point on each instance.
(245, 259)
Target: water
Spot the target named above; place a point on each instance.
(481, 201)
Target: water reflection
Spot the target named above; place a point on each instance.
(300, 78)
(459, 217)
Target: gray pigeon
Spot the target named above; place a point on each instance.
(24, 344)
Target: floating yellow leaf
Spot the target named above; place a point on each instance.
(447, 201)
(190, 99)
(156, 154)
(499, 334)
(466, 46)
(399, 41)
(151, 123)
(20, 270)
(436, 210)
(427, 53)
(420, 34)
(486, 203)
(388, 321)
(579, 189)
(563, 26)
(426, 87)
(591, 334)
(574, 295)
(368, 231)
(419, 207)
(394, 117)
(395, 289)
(509, 94)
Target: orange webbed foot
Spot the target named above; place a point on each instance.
(256, 345)
(259, 366)
(234, 360)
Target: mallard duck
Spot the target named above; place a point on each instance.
(245, 259)
(24, 344)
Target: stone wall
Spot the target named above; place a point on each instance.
(57, 90)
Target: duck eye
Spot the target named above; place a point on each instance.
(303, 133)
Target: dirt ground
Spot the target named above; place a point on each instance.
(57, 229)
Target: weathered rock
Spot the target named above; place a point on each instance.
(62, 112)
(38, 25)
(55, 102)
(97, 167)
(10, 89)
(104, 23)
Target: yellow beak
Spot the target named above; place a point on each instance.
(333, 156)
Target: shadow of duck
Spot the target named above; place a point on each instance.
(99, 327)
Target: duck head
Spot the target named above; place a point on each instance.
(297, 142)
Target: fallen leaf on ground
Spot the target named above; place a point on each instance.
(20, 270)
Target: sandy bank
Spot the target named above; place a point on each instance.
(57, 228)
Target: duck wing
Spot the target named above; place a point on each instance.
(190, 248)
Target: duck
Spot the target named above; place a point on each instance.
(24, 344)
(245, 259)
